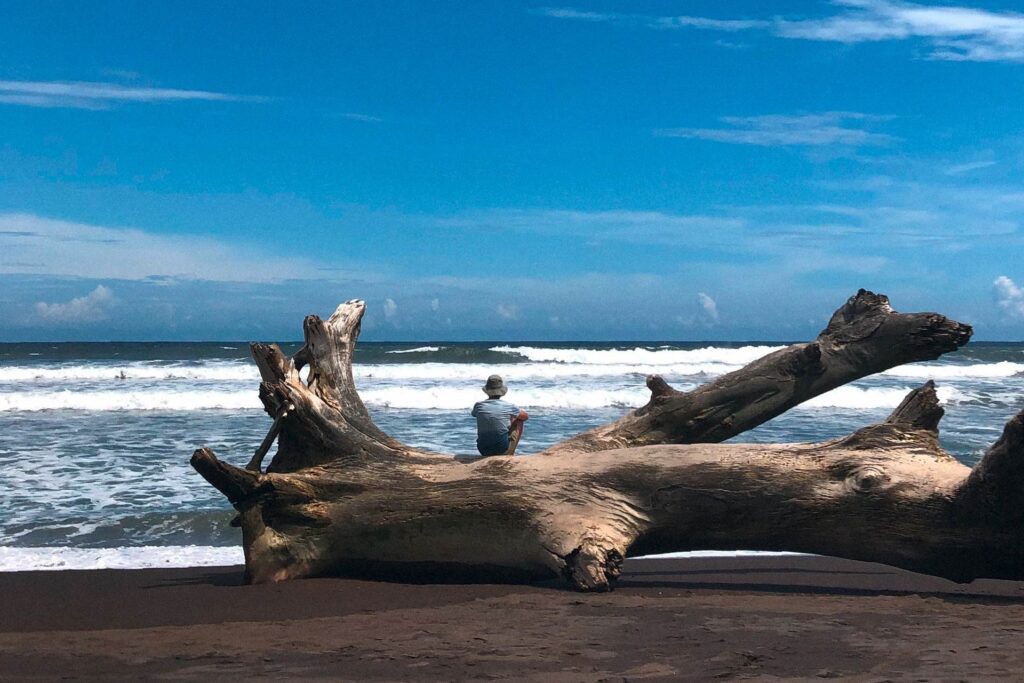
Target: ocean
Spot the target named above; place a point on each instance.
(95, 438)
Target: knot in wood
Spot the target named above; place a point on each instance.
(867, 479)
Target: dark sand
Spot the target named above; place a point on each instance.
(781, 618)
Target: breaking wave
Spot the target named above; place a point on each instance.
(151, 399)
(437, 397)
(952, 372)
(215, 371)
(140, 557)
(640, 355)
(420, 349)
(541, 363)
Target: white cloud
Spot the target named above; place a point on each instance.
(670, 22)
(82, 309)
(953, 33)
(1009, 297)
(364, 118)
(960, 169)
(86, 95)
(33, 245)
(707, 309)
(390, 308)
(845, 129)
(508, 311)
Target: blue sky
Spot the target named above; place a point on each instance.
(502, 170)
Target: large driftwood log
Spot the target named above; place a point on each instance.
(341, 496)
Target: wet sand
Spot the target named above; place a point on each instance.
(776, 618)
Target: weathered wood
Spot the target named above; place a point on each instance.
(864, 336)
(342, 496)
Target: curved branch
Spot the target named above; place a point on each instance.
(864, 336)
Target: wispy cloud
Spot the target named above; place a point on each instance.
(961, 169)
(364, 118)
(952, 33)
(707, 309)
(669, 22)
(1009, 297)
(93, 95)
(507, 311)
(390, 309)
(844, 129)
(34, 245)
(82, 309)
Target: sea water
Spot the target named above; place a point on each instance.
(95, 438)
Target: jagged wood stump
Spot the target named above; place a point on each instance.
(341, 496)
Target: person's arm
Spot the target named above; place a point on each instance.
(518, 414)
(475, 406)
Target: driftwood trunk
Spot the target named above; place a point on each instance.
(342, 496)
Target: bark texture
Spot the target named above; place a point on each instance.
(340, 496)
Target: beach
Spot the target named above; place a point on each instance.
(695, 619)
(144, 591)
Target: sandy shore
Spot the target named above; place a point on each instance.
(788, 618)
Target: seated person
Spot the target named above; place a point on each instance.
(499, 424)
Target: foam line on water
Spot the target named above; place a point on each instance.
(150, 399)
(51, 558)
(436, 397)
(217, 371)
(619, 365)
(720, 553)
(419, 349)
(951, 372)
(856, 398)
(15, 559)
(640, 355)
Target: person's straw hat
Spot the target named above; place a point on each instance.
(495, 386)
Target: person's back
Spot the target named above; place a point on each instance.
(499, 424)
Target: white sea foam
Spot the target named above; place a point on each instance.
(476, 373)
(427, 397)
(217, 371)
(856, 398)
(148, 557)
(473, 372)
(954, 372)
(460, 398)
(150, 399)
(720, 553)
(544, 363)
(419, 349)
(141, 557)
(640, 355)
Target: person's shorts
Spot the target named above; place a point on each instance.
(494, 446)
